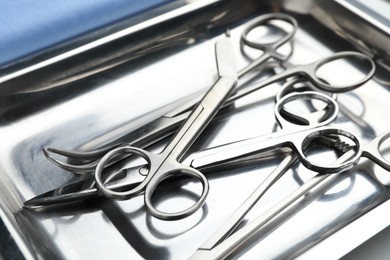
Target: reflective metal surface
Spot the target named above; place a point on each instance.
(86, 100)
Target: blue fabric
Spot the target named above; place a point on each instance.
(29, 26)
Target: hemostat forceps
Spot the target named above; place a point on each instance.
(218, 246)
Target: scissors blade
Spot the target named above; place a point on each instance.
(64, 194)
(226, 61)
(86, 189)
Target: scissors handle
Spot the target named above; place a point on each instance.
(151, 182)
(311, 70)
(175, 170)
(312, 134)
(271, 47)
(372, 150)
(319, 118)
(300, 85)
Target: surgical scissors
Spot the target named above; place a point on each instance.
(163, 126)
(167, 163)
(199, 160)
(218, 246)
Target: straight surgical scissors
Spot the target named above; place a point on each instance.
(308, 71)
(213, 157)
(220, 246)
(167, 163)
(163, 126)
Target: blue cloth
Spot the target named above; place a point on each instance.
(28, 26)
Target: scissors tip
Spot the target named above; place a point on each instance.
(31, 204)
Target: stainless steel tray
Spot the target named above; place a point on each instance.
(96, 88)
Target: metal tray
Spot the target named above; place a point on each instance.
(88, 92)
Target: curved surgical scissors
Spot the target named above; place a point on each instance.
(199, 160)
(213, 157)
